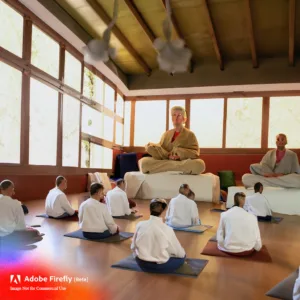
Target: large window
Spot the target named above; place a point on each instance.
(173, 103)
(150, 121)
(11, 33)
(100, 157)
(244, 121)
(108, 129)
(119, 133)
(72, 72)
(85, 154)
(44, 52)
(120, 106)
(127, 118)
(71, 115)
(91, 121)
(109, 97)
(284, 118)
(10, 113)
(206, 121)
(43, 124)
(93, 86)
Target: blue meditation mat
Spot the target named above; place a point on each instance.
(218, 210)
(284, 289)
(112, 239)
(192, 267)
(70, 218)
(195, 229)
(129, 217)
(275, 220)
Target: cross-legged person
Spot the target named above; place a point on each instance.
(165, 255)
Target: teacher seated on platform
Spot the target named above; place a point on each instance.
(182, 211)
(279, 167)
(94, 218)
(57, 204)
(258, 204)
(178, 149)
(155, 245)
(12, 221)
(238, 231)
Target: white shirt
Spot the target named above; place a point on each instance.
(11, 216)
(154, 241)
(117, 202)
(238, 231)
(182, 212)
(296, 292)
(94, 217)
(258, 205)
(57, 204)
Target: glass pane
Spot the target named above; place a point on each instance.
(244, 121)
(71, 115)
(172, 104)
(101, 157)
(120, 106)
(108, 127)
(127, 117)
(43, 124)
(284, 118)
(45, 52)
(109, 96)
(119, 133)
(85, 154)
(99, 88)
(11, 33)
(150, 121)
(206, 121)
(93, 86)
(72, 72)
(10, 114)
(92, 121)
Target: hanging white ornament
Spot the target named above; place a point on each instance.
(172, 55)
(99, 50)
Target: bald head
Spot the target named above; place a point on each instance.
(7, 188)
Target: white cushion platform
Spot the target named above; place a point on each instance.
(166, 185)
(283, 201)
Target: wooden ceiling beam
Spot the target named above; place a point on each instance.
(138, 16)
(292, 16)
(180, 35)
(119, 35)
(251, 34)
(213, 35)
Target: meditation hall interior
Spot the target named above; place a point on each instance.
(149, 149)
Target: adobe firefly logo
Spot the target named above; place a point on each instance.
(15, 279)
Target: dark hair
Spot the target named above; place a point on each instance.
(120, 181)
(182, 187)
(59, 180)
(95, 187)
(191, 193)
(257, 186)
(237, 197)
(157, 208)
(5, 184)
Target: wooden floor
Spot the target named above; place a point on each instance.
(222, 278)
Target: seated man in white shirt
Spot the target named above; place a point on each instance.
(182, 211)
(117, 201)
(94, 218)
(296, 292)
(238, 231)
(165, 255)
(57, 204)
(13, 229)
(258, 205)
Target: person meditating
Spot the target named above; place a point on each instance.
(117, 201)
(13, 230)
(178, 149)
(155, 245)
(182, 211)
(238, 232)
(57, 205)
(258, 205)
(94, 218)
(279, 168)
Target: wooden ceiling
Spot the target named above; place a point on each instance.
(217, 31)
